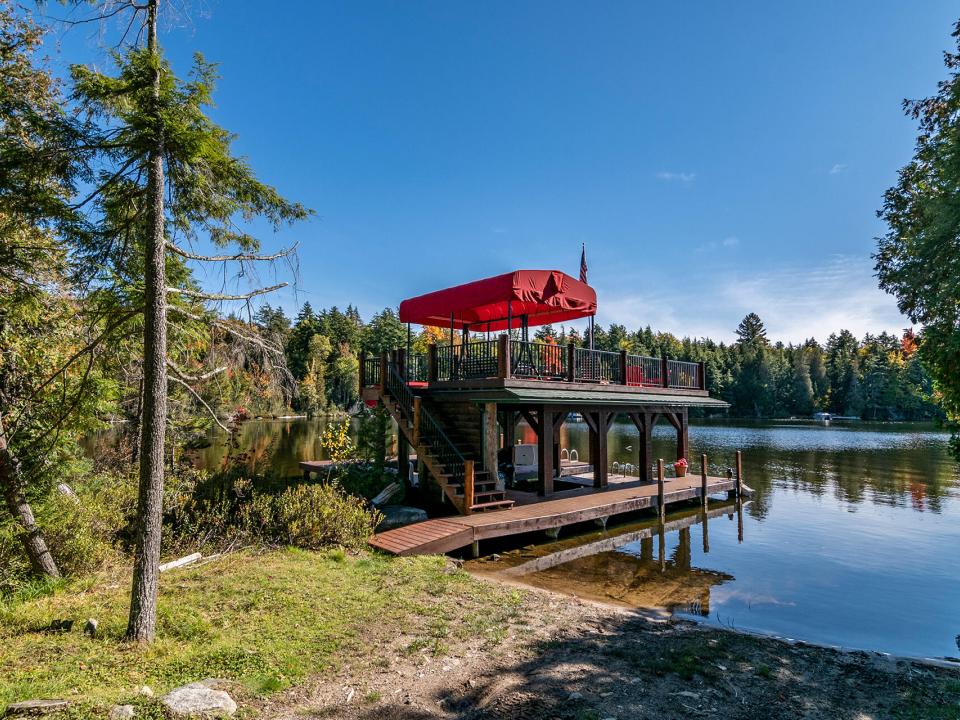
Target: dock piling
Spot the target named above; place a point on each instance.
(703, 480)
(661, 503)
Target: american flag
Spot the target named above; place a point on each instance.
(583, 264)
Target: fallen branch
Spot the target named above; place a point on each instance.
(180, 562)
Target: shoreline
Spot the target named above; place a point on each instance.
(654, 614)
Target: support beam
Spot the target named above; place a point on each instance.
(600, 470)
(491, 441)
(532, 421)
(683, 434)
(545, 465)
(558, 421)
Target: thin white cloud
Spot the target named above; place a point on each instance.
(684, 177)
(794, 303)
(837, 169)
(730, 241)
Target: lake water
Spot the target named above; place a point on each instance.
(852, 537)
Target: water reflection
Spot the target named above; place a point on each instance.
(645, 564)
(851, 538)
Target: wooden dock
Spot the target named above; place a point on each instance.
(532, 513)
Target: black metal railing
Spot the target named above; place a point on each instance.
(370, 369)
(476, 359)
(435, 442)
(398, 389)
(541, 361)
(682, 374)
(600, 366)
(415, 367)
(643, 371)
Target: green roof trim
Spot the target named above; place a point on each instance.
(544, 396)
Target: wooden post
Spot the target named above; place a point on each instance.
(416, 424)
(571, 362)
(400, 358)
(682, 427)
(702, 375)
(598, 453)
(646, 447)
(545, 452)
(739, 475)
(432, 362)
(503, 356)
(664, 371)
(383, 372)
(363, 365)
(703, 480)
(491, 441)
(623, 367)
(661, 499)
(468, 478)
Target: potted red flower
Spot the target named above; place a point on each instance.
(680, 467)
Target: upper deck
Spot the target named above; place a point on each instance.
(508, 362)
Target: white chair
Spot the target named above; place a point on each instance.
(524, 459)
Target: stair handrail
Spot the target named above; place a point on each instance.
(441, 447)
(401, 392)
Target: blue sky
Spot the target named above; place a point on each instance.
(716, 158)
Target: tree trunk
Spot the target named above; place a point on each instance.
(11, 484)
(146, 569)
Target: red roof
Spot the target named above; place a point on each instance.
(545, 296)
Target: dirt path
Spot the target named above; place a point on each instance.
(563, 658)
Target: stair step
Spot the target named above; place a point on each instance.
(497, 505)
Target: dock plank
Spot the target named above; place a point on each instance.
(566, 508)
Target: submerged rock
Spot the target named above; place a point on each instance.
(199, 699)
(395, 516)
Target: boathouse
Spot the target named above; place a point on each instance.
(457, 406)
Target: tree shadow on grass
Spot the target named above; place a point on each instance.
(628, 667)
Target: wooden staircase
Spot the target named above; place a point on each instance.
(442, 445)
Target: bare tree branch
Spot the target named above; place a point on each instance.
(218, 296)
(200, 400)
(259, 342)
(195, 378)
(226, 258)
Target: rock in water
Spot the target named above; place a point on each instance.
(198, 700)
(91, 627)
(122, 712)
(395, 516)
(35, 707)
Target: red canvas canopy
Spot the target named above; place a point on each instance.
(544, 296)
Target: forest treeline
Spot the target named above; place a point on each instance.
(878, 377)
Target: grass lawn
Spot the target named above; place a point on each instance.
(266, 620)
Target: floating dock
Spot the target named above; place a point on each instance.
(531, 513)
